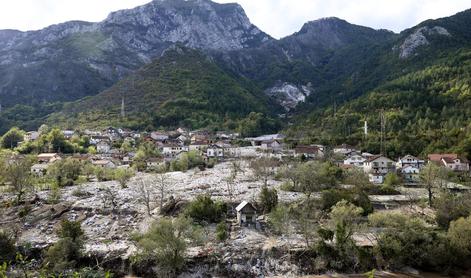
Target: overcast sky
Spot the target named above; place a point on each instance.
(276, 17)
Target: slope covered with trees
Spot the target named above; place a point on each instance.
(425, 111)
(182, 88)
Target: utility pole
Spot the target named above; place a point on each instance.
(383, 129)
(123, 112)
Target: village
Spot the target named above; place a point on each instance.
(276, 196)
(221, 146)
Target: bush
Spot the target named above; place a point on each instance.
(392, 179)
(287, 186)
(65, 253)
(204, 209)
(450, 208)
(268, 199)
(381, 190)
(331, 197)
(7, 247)
(221, 231)
(123, 176)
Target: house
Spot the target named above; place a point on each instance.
(344, 149)
(246, 213)
(272, 145)
(31, 136)
(68, 134)
(48, 157)
(159, 136)
(103, 163)
(95, 139)
(451, 161)
(410, 173)
(103, 147)
(310, 152)
(172, 149)
(456, 164)
(215, 151)
(377, 167)
(257, 141)
(199, 136)
(199, 146)
(355, 160)
(153, 162)
(410, 160)
(39, 169)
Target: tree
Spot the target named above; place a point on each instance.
(123, 176)
(314, 176)
(432, 177)
(459, 235)
(268, 199)
(204, 209)
(65, 253)
(43, 129)
(57, 143)
(7, 245)
(11, 139)
(450, 207)
(281, 220)
(146, 194)
(65, 171)
(16, 172)
(166, 243)
(392, 179)
(231, 179)
(263, 168)
(162, 185)
(343, 218)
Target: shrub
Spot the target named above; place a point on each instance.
(165, 244)
(7, 247)
(123, 176)
(331, 197)
(204, 209)
(221, 231)
(65, 253)
(268, 199)
(450, 208)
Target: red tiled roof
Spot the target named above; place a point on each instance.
(438, 157)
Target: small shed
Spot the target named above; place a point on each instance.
(246, 213)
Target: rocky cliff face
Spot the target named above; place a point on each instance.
(75, 59)
(419, 38)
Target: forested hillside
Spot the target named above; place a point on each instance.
(182, 88)
(425, 111)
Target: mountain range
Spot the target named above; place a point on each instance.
(199, 64)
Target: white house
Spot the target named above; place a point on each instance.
(456, 164)
(103, 147)
(410, 160)
(410, 173)
(246, 213)
(274, 145)
(104, 163)
(344, 149)
(68, 133)
(215, 151)
(171, 150)
(159, 136)
(355, 160)
(377, 167)
(199, 146)
(313, 152)
(257, 141)
(31, 136)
